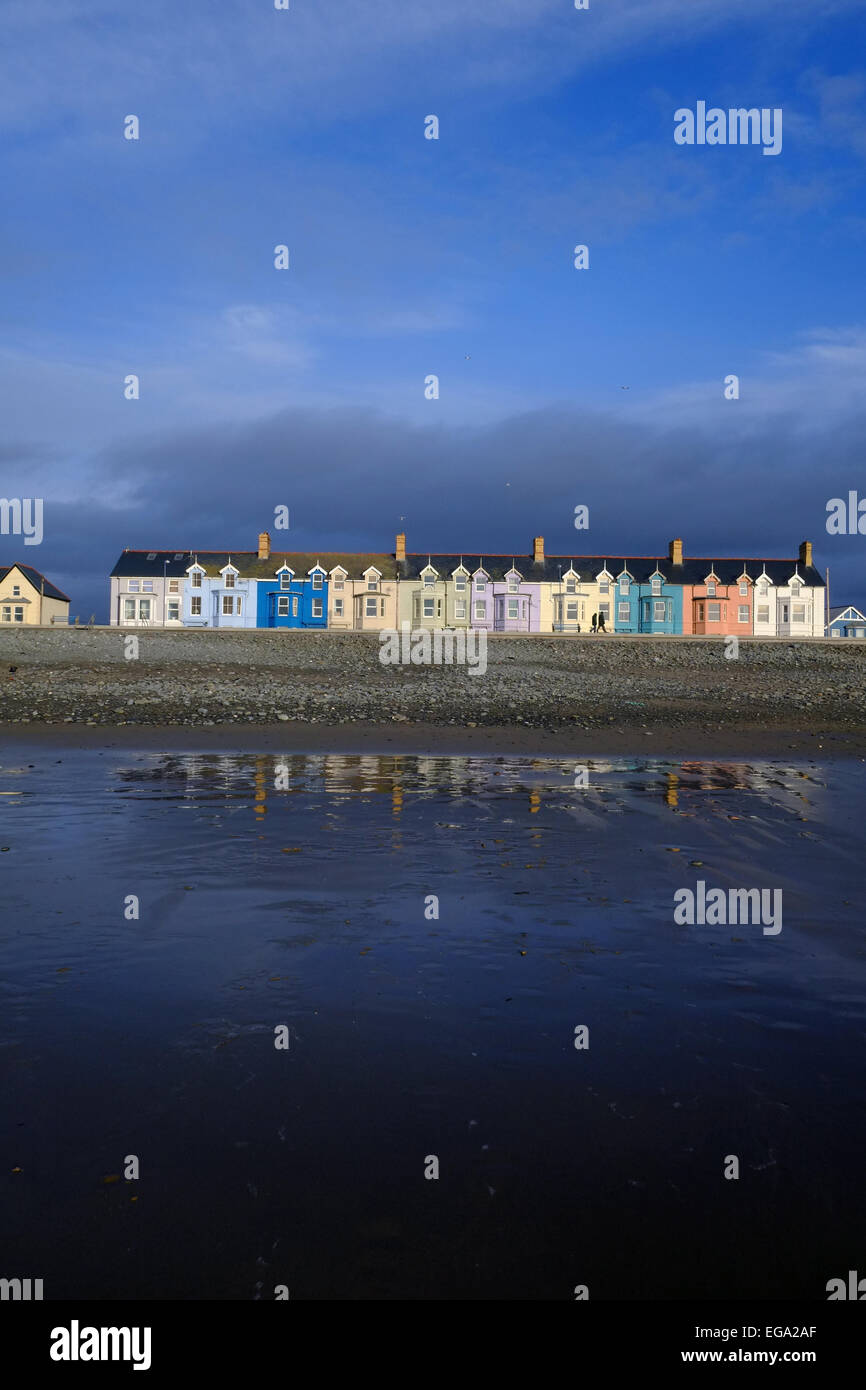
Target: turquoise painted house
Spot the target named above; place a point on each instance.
(644, 598)
(293, 600)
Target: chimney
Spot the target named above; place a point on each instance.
(264, 545)
(675, 552)
(805, 552)
(400, 546)
(538, 550)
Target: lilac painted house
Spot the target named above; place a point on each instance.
(503, 597)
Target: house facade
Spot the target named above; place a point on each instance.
(533, 593)
(846, 622)
(28, 599)
(147, 588)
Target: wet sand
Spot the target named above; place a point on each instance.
(703, 741)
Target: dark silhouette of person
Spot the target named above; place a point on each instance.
(601, 626)
(594, 622)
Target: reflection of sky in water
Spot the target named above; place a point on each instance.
(291, 889)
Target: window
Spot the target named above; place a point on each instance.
(19, 613)
(763, 613)
(339, 584)
(282, 605)
(372, 585)
(714, 612)
(173, 610)
(480, 585)
(513, 584)
(338, 606)
(285, 580)
(711, 589)
(238, 605)
(604, 611)
(196, 579)
(294, 605)
(659, 611)
(173, 586)
(460, 609)
(429, 581)
(317, 608)
(798, 613)
(623, 612)
(571, 612)
(762, 590)
(16, 590)
(195, 606)
(228, 604)
(743, 613)
(480, 611)
(147, 586)
(603, 586)
(144, 609)
(512, 608)
(571, 586)
(178, 554)
(230, 580)
(744, 589)
(134, 586)
(460, 583)
(382, 609)
(317, 580)
(128, 610)
(428, 607)
(371, 608)
(700, 612)
(656, 585)
(623, 584)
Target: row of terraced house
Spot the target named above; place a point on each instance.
(517, 593)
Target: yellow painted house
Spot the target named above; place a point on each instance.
(27, 597)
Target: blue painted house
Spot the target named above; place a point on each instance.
(644, 597)
(293, 600)
(218, 592)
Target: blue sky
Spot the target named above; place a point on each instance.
(411, 257)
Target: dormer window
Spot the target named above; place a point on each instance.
(230, 579)
(429, 580)
(657, 585)
(195, 579)
(285, 580)
(711, 588)
(571, 585)
(460, 582)
(604, 584)
(623, 584)
(744, 588)
(480, 583)
(318, 579)
(513, 584)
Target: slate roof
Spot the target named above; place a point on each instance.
(693, 570)
(36, 579)
(135, 563)
(847, 608)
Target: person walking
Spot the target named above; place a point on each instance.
(601, 626)
(594, 622)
